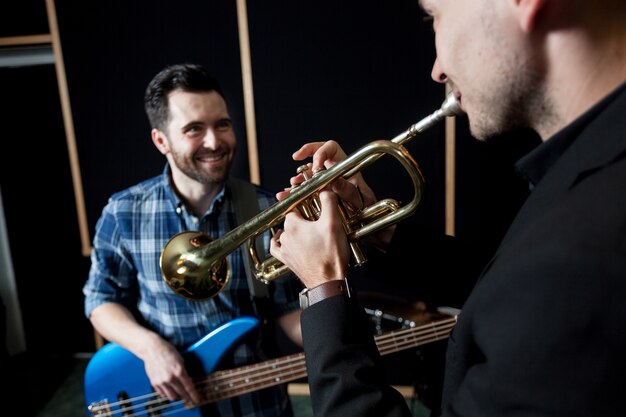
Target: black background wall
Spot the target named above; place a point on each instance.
(349, 70)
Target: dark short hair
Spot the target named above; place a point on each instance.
(186, 77)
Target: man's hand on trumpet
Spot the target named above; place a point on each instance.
(316, 251)
(353, 191)
(324, 155)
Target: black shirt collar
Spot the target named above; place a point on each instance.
(534, 165)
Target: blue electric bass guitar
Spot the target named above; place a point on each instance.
(116, 383)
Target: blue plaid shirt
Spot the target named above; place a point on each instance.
(133, 229)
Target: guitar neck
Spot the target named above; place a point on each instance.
(233, 382)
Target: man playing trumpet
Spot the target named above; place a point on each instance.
(543, 332)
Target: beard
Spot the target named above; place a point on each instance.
(505, 106)
(513, 93)
(192, 169)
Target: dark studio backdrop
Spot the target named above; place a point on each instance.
(354, 71)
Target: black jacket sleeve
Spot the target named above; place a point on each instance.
(343, 364)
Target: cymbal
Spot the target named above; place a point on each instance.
(409, 310)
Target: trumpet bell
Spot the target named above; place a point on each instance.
(188, 274)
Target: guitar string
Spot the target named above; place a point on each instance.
(221, 375)
(294, 366)
(385, 344)
(244, 389)
(273, 375)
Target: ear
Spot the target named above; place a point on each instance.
(160, 141)
(528, 10)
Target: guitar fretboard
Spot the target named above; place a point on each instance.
(232, 382)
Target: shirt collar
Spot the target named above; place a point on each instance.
(534, 165)
(166, 181)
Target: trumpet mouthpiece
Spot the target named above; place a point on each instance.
(451, 106)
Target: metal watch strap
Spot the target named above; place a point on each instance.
(308, 297)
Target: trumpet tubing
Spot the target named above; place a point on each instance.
(195, 266)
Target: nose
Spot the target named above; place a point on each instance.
(437, 73)
(210, 139)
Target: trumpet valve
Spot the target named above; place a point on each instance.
(304, 171)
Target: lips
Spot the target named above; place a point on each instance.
(459, 99)
(214, 157)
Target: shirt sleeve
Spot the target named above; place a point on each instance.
(112, 275)
(285, 295)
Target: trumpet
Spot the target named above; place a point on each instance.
(195, 266)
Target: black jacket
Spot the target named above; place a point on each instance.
(543, 332)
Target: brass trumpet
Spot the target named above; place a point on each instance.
(196, 267)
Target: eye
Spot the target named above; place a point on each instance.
(430, 20)
(194, 130)
(428, 16)
(224, 125)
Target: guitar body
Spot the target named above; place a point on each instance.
(114, 375)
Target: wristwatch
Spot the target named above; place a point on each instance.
(308, 297)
